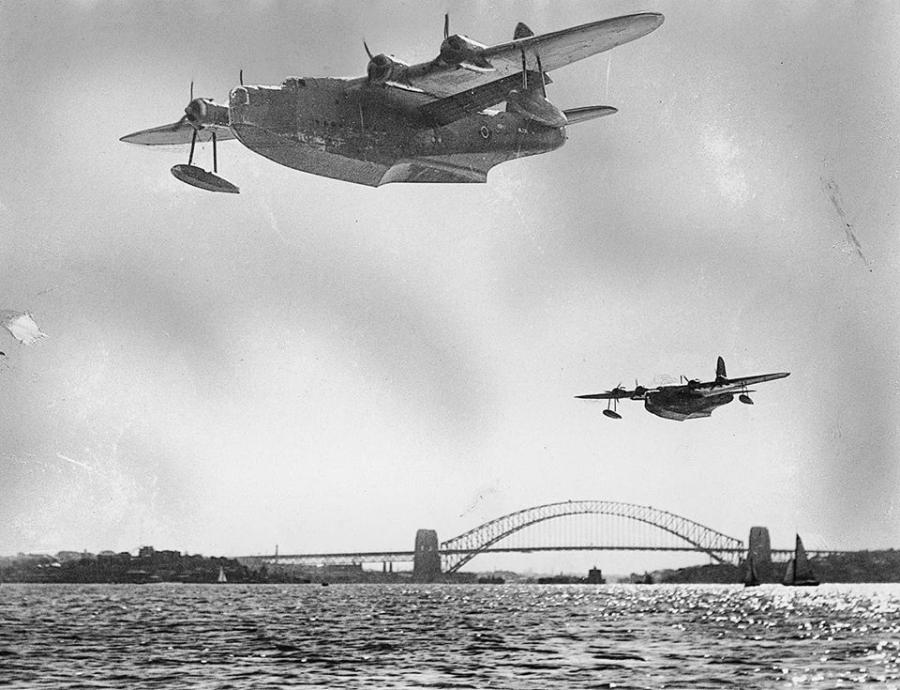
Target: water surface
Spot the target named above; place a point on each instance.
(448, 636)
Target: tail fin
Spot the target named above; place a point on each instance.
(720, 370)
(522, 31)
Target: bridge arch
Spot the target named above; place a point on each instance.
(466, 546)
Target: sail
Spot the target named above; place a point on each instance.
(222, 577)
(789, 573)
(799, 571)
(802, 568)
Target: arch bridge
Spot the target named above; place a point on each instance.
(684, 534)
(644, 528)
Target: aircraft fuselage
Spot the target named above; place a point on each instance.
(347, 129)
(680, 403)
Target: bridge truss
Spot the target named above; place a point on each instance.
(458, 551)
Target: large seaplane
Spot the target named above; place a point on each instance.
(426, 122)
(690, 400)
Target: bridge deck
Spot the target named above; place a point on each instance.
(407, 556)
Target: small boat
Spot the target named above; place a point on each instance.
(798, 572)
(751, 578)
(222, 577)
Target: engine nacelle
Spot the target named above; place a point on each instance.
(201, 112)
(383, 68)
(463, 51)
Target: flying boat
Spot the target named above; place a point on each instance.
(691, 399)
(426, 122)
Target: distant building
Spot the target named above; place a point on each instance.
(595, 577)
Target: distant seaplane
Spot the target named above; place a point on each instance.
(691, 400)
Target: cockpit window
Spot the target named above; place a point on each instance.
(239, 96)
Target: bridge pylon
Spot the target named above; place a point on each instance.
(426, 557)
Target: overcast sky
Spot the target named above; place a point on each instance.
(328, 367)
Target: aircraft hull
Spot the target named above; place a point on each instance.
(353, 136)
(681, 406)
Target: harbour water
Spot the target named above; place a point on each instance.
(448, 636)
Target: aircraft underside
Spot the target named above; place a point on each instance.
(462, 152)
(683, 407)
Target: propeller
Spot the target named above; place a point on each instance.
(639, 391)
(195, 113)
(198, 113)
(462, 51)
(382, 68)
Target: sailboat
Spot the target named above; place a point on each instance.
(751, 578)
(799, 572)
(222, 577)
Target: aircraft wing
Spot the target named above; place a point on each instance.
(561, 48)
(617, 394)
(452, 108)
(174, 134)
(739, 384)
(471, 90)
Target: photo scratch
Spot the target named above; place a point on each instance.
(74, 462)
(608, 70)
(22, 326)
(829, 186)
(479, 497)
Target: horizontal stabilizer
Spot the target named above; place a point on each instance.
(175, 134)
(589, 112)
